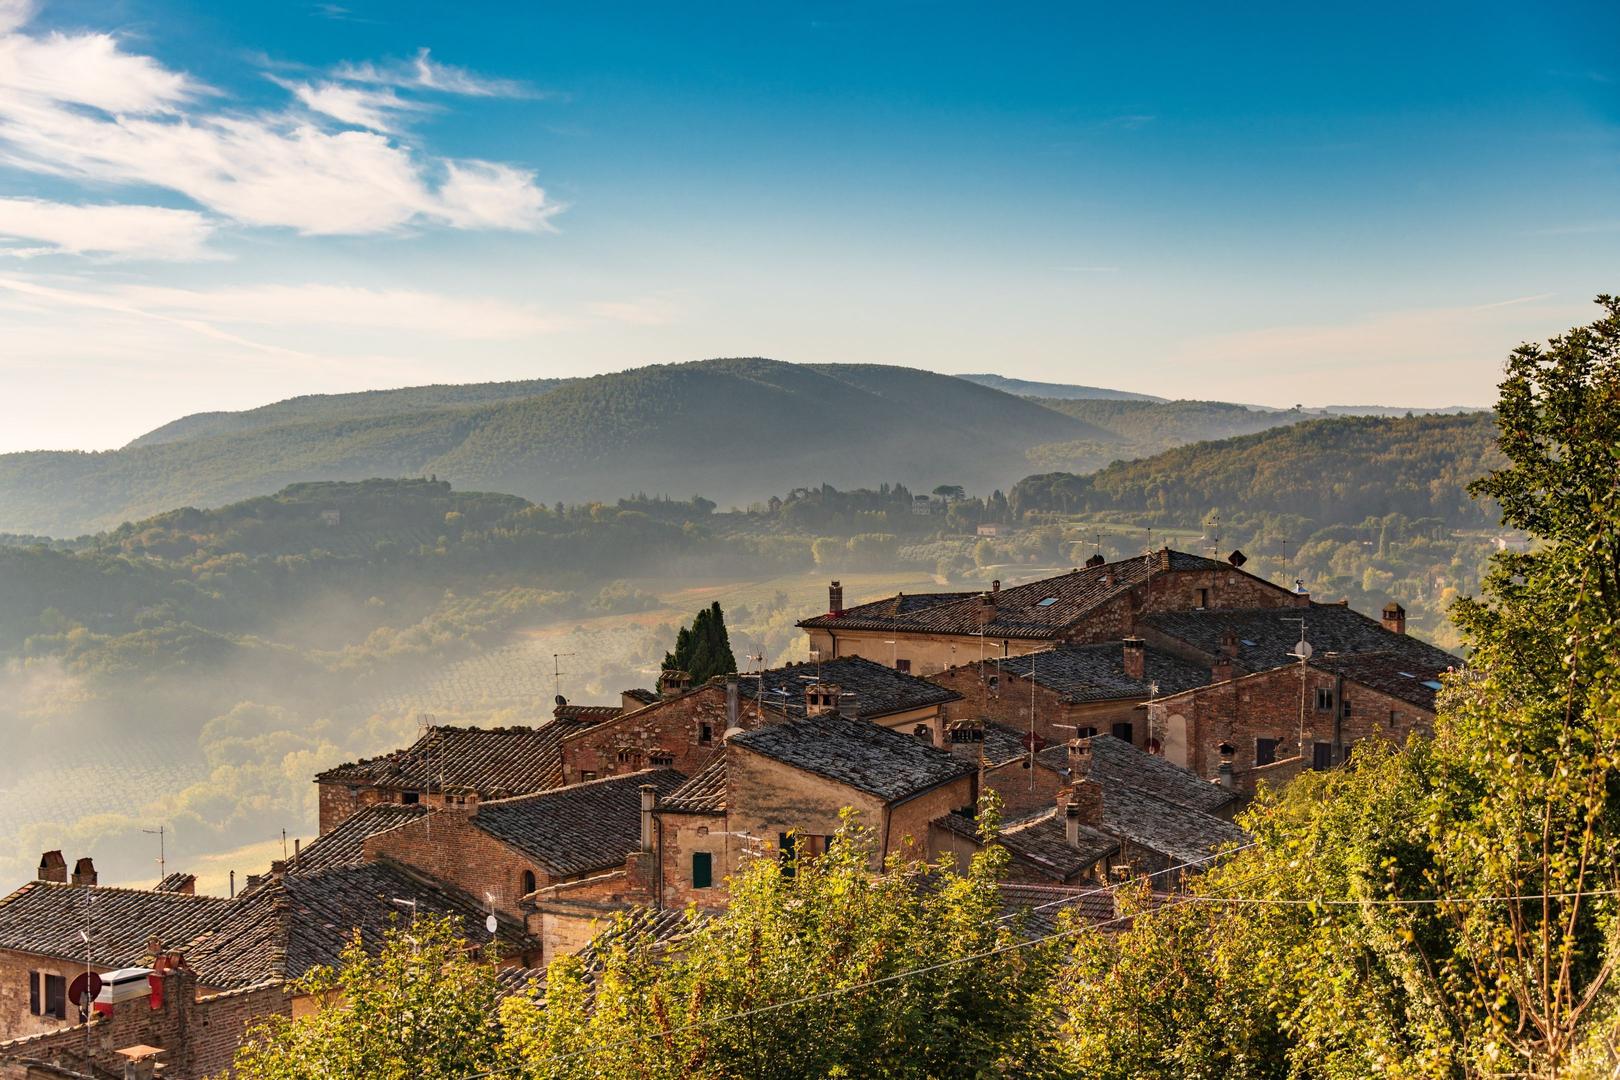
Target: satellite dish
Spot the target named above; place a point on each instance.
(490, 924)
(85, 987)
(1302, 650)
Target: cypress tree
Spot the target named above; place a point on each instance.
(703, 650)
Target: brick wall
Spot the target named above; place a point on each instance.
(199, 1035)
(682, 834)
(1055, 719)
(339, 802)
(1018, 797)
(15, 1019)
(446, 845)
(673, 728)
(1240, 712)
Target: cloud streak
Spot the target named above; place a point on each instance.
(118, 231)
(80, 106)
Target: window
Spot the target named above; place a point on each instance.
(1048, 602)
(1344, 706)
(1394, 718)
(1123, 731)
(967, 733)
(409, 797)
(995, 683)
(35, 1001)
(662, 760)
(702, 870)
(903, 665)
(1322, 756)
(1265, 751)
(56, 996)
(1086, 732)
(1203, 598)
(705, 734)
(785, 844)
(529, 884)
(1324, 699)
(587, 774)
(627, 757)
(1347, 748)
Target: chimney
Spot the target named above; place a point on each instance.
(1394, 618)
(1221, 670)
(1095, 561)
(1135, 658)
(1079, 759)
(298, 846)
(820, 699)
(52, 867)
(1224, 776)
(84, 872)
(835, 598)
(278, 869)
(1302, 595)
(140, 1062)
(1229, 643)
(995, 586)
(1164, 557)
(849, 706)
(1085, 805)
(1071, 825)
(649, 803)
(733, 692)
(987, 608)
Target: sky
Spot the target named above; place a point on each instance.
(213, 206)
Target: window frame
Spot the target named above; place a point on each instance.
(1270, 751)
(705, 860)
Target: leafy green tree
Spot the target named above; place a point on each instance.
(420, 1008)
(836, 970)
(703, 650)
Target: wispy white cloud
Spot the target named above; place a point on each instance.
(80, 106)
(423, 72)
(37, 227)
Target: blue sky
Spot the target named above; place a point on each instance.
(208, 206)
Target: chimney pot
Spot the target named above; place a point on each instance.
(278, 867)
(1086, 801)
(1135, 658)
(84, 872)
(835, 598)
(649, 803)
(52, 867)
(995, 586)
(1394, 619)
(1071, 825)
(1224, 776)
(1095, 561)
(1079, 759)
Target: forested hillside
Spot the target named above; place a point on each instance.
(1066, 391)
(1341, 469)
(735, 429)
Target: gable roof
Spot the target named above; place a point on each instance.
(1038, 609)
(578, 828)
(45, 918)
(1182, 834)
(856, 753)
(1116, 763)
(345, 844)
(303, 920)
(1086, 673)
(1266, 637)
(705, 793)
(1400, 676)
(1040, 840)
(494, 762)
(879, 690)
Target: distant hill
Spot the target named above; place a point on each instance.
(1026, 388)
(1340, 469)
(734, 429)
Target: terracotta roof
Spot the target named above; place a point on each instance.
(1084, 673)
(286, 927)
(705, 793)
(879, 690)
(578, 828)
(1039, 609)
(1266, 637)
(494, 762)
(1115, 763)
(179, 881)
(1041, 841)
(345, 844)
(1395, 674)
(45, 918)
(661, 929)
(596, 714)
(641, 694)
(1038, 908)
(856, 753)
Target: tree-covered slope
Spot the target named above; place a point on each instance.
(1338, 469)
(1066, 391)
(734, 429)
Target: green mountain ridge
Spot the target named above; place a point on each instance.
(735, 428)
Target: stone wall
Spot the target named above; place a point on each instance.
(447, 846)
(672, 731)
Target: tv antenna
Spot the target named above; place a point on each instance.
(162, 859)
(557, 671)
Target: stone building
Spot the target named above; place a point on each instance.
(930, 632)
(505, 849)
(450, 763)
(1070, 690)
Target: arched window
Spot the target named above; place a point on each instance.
(528, 882)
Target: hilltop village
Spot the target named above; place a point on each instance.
(1122, 712)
